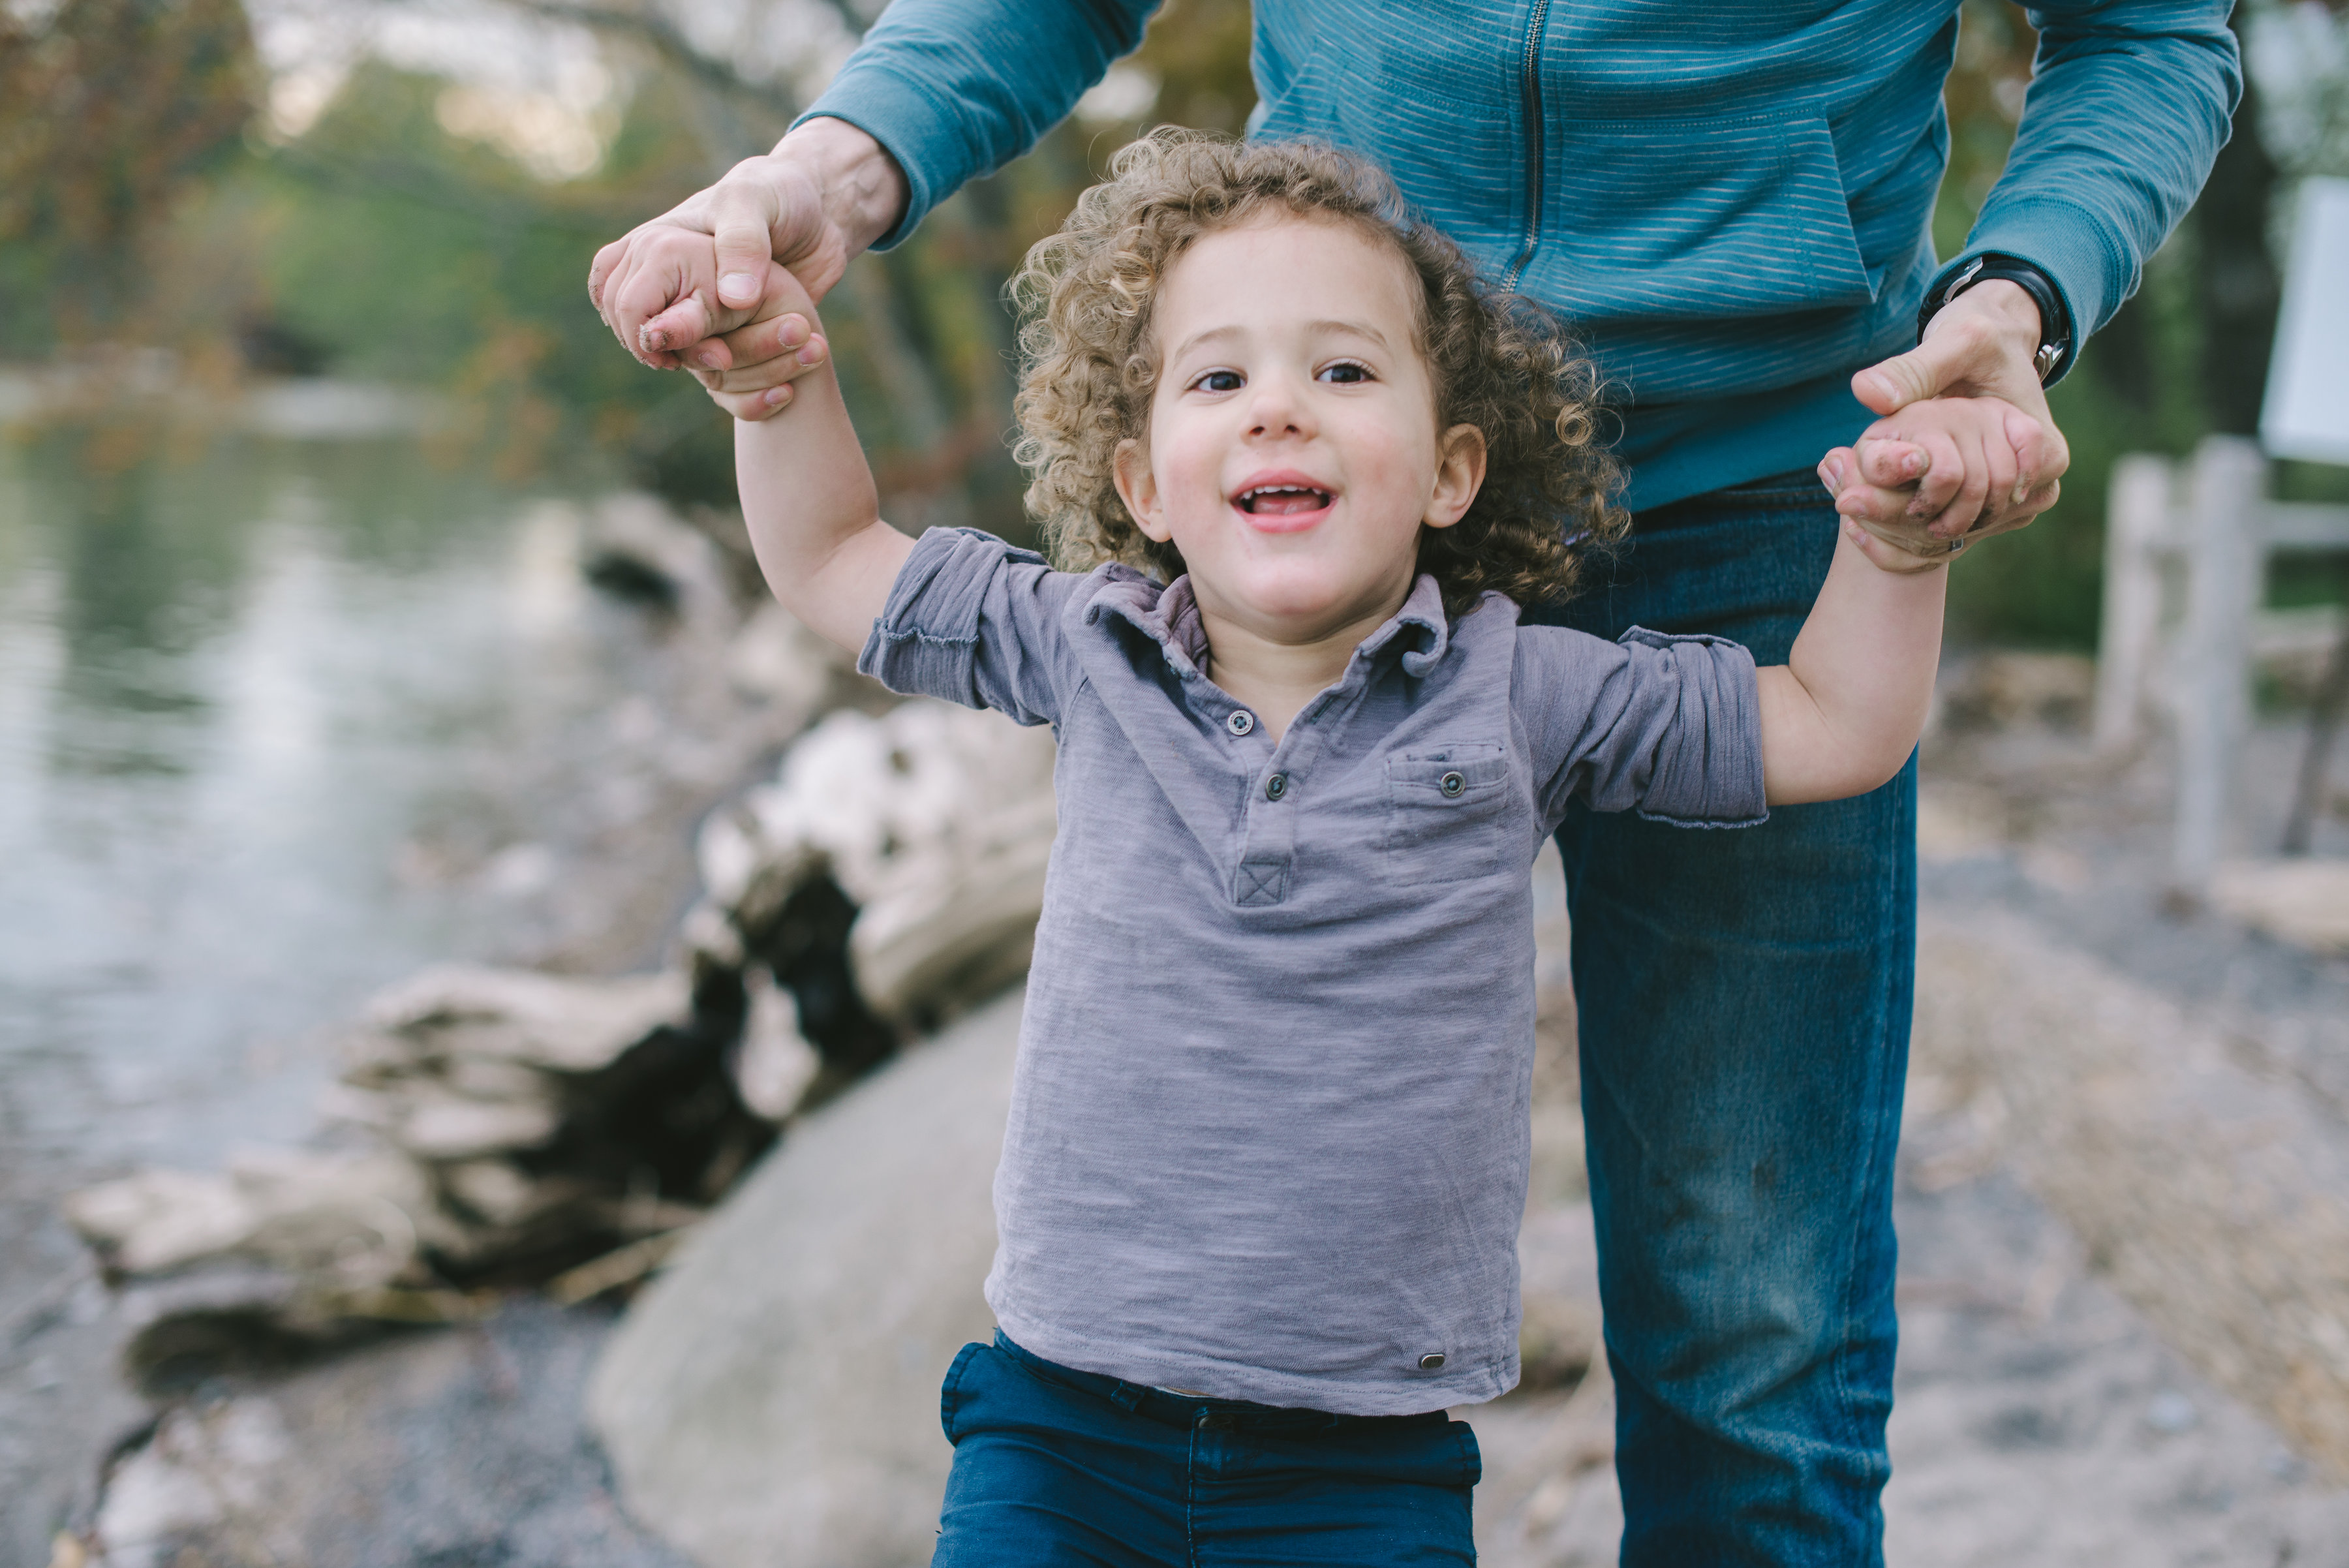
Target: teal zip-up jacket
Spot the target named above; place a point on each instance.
(1732, 201)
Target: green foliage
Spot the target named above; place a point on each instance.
(107, 107)
(401, 253)
(383, 244)
(1984, 96)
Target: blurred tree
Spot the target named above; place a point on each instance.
(2238, 285)
(420, 257)
(1984, 100)
(108, 108)
(1199, 50)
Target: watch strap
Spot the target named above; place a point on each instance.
(2055, 321)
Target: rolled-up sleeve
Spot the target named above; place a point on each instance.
(1669, 727)
(974, 620)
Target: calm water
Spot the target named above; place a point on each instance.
(258, 716)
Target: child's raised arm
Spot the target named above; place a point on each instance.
(808, 497)
(1841, 715)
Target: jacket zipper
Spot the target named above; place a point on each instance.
(1530, 93)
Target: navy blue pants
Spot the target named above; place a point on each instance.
(1744, 1005)
(1056, 1467)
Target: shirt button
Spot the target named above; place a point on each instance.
(1451, 785)
(1433, 1363)
(1240, 722)
(1276, 787)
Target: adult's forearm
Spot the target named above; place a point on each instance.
(956, 89)
(2129, 106)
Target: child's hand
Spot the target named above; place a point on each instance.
(785, 319)
(1959, 451)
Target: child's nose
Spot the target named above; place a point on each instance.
(1277, 411)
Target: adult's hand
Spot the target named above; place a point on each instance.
(1981, 344)
(689, 287)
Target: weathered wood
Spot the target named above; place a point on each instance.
(2137, 535)
(2325, 723)
(2211, 523)
(2224, 556)
(2300, 526)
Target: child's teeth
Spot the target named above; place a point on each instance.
(1285, 501)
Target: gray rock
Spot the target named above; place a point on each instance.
(2302, 901)
(772, 1400)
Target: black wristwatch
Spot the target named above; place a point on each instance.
(2055, 321)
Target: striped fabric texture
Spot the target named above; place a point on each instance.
(1731, 200)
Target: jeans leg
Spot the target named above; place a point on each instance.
(1744, 1000)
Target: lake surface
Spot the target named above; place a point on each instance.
(257, 709)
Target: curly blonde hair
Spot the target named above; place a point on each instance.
(1498, 361)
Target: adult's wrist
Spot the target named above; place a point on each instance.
(1993, 280)
(2007, 307)
(863, 190)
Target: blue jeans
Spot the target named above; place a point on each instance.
(1054, 1467)
(1744, 1001)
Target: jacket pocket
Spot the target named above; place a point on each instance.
(1446, 806)
(1695, 219)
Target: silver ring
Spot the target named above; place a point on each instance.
(1956, 545)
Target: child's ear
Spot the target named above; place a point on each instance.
(1459, 474)
(1138, 488)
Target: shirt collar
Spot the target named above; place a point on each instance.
(1169, 616)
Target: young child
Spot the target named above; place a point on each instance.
(1266, 1156)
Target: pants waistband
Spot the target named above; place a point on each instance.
(1172, 1409)
(1771, 492)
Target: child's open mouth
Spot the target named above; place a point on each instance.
(1281, 506)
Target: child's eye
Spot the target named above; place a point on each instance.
(1345, 372)
(1217, 381)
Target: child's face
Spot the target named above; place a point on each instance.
(1293, 454)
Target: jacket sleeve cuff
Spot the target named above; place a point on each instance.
(901, 117)
(2061, 240)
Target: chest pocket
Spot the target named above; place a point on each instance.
(1447, 811)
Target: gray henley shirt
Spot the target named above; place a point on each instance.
(1270, 1125)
